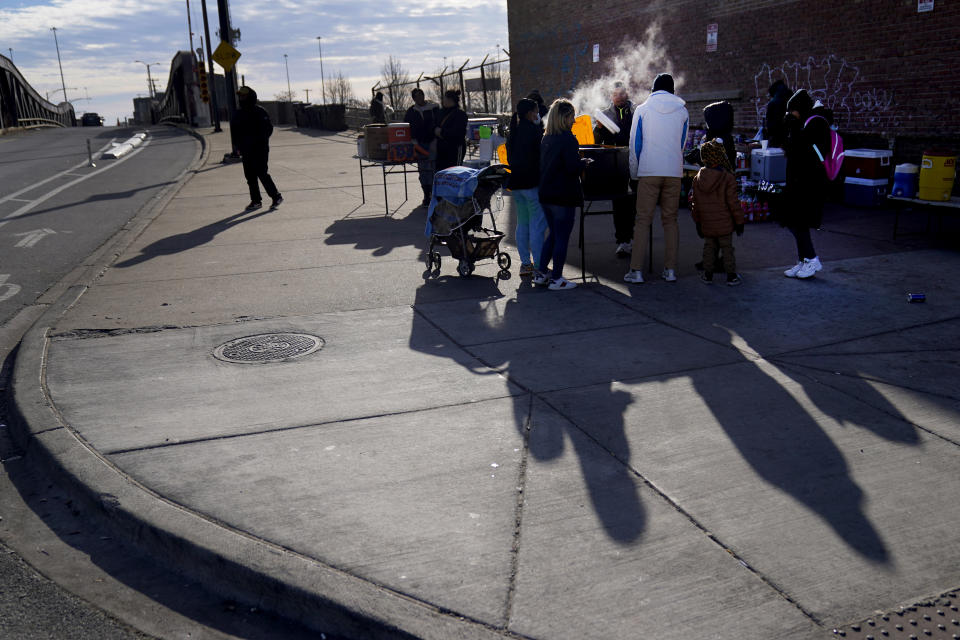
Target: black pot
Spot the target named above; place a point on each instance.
(608, 176)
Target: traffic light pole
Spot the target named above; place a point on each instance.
(212, 82)
(226, 36)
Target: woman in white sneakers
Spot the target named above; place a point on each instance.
(806, 180)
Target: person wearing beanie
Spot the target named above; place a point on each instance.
(774, 129)
(620, 113)
(451, 131)
(657, 136)
(807, 141)
(523, 157)
(716, 211)
(250, 131)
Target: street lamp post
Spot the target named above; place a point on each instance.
(289, 90)
(323, 90)
(150, 90)
(10, 49)
(62, 81)
(214, 107)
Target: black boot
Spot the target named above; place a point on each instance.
(427, 194)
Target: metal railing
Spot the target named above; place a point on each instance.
(21, 106)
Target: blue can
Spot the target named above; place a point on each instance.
(916, 297)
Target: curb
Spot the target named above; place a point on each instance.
(226, 561)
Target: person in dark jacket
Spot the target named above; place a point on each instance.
(620, 112)
(719, 119)
(775, 131)
(560, 191)
(523, 157)
(807, 140)
(250, 131)
(378, 110)
(541, 106)
(451, 131)
(422, 117)
(716, 211)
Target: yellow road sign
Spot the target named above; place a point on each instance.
(226, 56)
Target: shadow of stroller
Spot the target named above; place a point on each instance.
(185, 241)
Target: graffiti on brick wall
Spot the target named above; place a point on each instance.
(836, 83)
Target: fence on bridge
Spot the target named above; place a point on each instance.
(22, 107)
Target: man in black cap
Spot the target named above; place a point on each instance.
(250, 131)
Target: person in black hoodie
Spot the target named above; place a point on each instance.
(807, 140)
(523, 157)
(719, 119)
(775, 131)
(620, 113)
(451, 131)
(250, 131)
(422, 116)
(560, 191)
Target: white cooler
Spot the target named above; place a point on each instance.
(768, 164)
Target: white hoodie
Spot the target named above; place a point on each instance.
(657, 136)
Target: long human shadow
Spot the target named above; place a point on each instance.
(380, 235)
(99, 197)
(191, 239)
(604, 466)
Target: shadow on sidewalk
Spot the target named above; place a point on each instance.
(100, 197)
(380, 235)
(191, 239)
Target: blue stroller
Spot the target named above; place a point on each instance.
(461, 196)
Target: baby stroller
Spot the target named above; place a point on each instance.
(461, 196)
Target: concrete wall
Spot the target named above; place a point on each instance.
(883, 67)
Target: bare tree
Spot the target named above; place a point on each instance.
(341, 91)
(395, 84)
(286, 96)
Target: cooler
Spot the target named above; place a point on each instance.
(937, 174)
(768, 164)
(377, 139)
(905, 181)
(398, 132)
(863, 192)
(870, 164)
(474, 124)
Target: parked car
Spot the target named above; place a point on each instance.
(91, 120)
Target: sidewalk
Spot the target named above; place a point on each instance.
(480, 459)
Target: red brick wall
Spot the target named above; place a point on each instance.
(883, 67)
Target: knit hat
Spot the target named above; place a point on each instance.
(663, 82)
(800, 101)
(525, 106)
(712, 154)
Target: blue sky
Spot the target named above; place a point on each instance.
(100, 39)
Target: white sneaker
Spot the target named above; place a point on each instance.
(624, 249)
(540, 278)
(634, 276)
(792, 271)
(816, 263)
(807, 270)
(561, 284)
(669, 275)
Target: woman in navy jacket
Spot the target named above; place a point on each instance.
(560, 191)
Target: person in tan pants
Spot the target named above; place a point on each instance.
(657, 136)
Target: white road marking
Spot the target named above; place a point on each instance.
(31, 238)
(7, 289)
(19, 200)
(13, 196)
(27, 207)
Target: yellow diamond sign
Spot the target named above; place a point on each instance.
(226, 56)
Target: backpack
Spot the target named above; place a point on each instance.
(834, 161)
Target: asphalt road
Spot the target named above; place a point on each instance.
(55, 209)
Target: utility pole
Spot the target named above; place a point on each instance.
(307, 91)
(151, 90)
(10, 49)
(226, 35)
(62, 81)
(289, 90)
(189, 25)
(212, 79)
(323, 90)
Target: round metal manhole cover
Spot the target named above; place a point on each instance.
(268, 347)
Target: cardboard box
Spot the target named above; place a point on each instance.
(378, 142)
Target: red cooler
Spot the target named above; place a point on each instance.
(398, 132)
(867, 164)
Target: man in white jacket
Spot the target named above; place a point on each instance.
(657, 136)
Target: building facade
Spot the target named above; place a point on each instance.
(888, 68)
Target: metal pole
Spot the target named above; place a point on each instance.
(150, 91)
(307, 91)
(212, 79)
(323, 90)
(224, 13)
(10, 49)
(90, 154)
(289, 90)
(62, 81)
(189, 25)
(483, 85)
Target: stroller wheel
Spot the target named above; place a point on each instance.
(464, 268)
(504, 274)
(503, 261)
(435, 260)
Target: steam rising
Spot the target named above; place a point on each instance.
(635, 64)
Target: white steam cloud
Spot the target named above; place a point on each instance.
(635, 64)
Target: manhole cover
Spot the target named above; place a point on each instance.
(268, 347)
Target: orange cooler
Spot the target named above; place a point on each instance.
(937, 174)
(398, 132)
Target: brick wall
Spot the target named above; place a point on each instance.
(884, 68)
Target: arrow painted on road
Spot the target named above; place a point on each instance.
(31, 238)
(7, 289)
